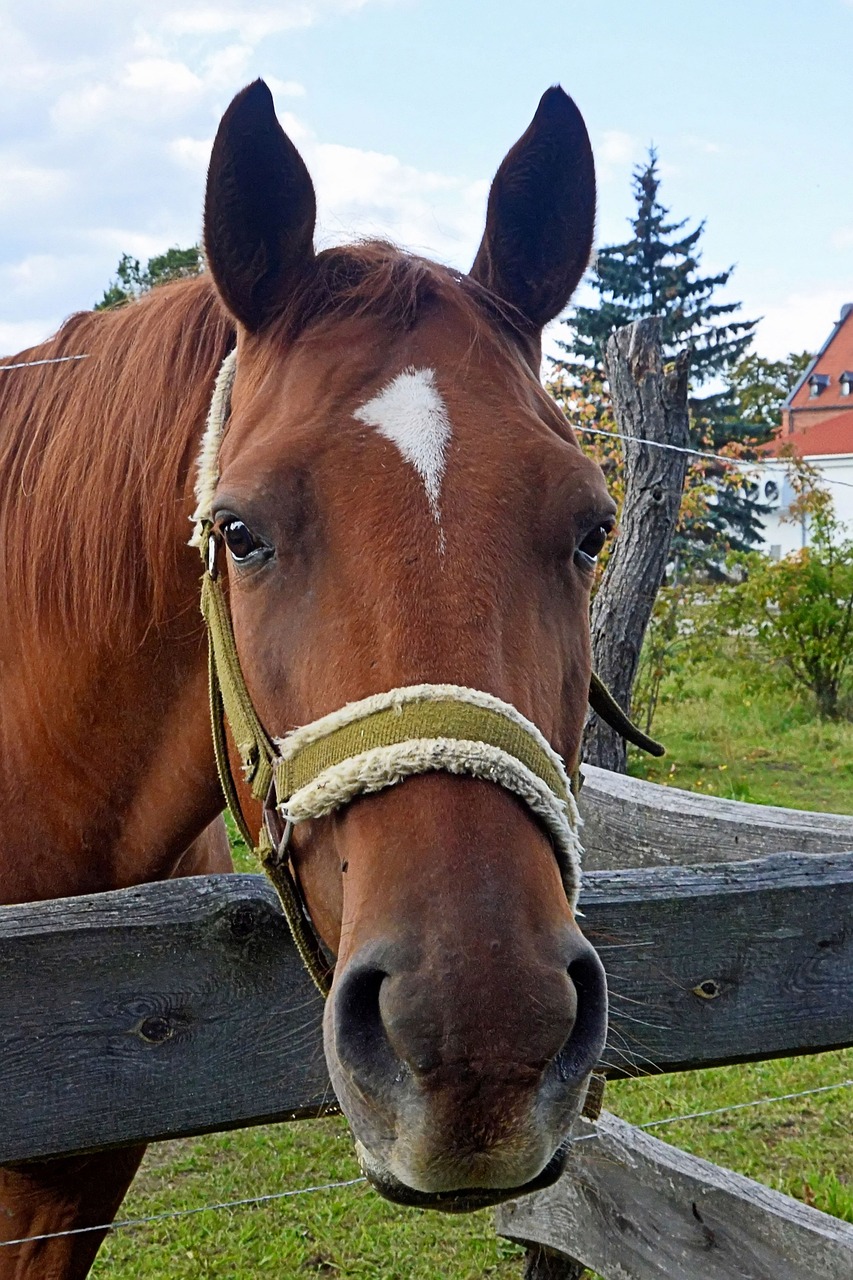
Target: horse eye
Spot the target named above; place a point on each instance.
(239, 539)
(591, 547)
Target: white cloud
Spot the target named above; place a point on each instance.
(17, 335)
(252, 22)
(842, 238)
(26, 186)
(228, 67)
(616, 153)
(800, 322)
(191, 153)
(161, 76)
(285, 88)
(617, 148)
(108, 149)
(703, 145)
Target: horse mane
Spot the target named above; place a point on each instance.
(96, 454)
(374, 277)
(94, 461)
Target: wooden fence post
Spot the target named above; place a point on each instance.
(650, 402)
(542, 1263)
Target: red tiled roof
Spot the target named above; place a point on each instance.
(834, 358)
(833, 435)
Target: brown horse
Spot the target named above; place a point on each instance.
(401, 503)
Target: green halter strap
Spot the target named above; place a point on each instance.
(371, 745)
(230, 702)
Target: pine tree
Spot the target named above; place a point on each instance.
(657, 272)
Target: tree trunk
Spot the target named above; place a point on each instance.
(650, 403)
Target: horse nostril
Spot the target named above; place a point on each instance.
(585, 1044)
(360, 1040)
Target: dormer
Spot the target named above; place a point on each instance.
(818, 382)
(845, 383)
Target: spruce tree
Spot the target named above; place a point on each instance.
(657, 272)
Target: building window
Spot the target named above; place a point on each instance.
(846, 382)
(818, 382)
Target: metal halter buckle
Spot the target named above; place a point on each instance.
(278, 831)
(212, 549)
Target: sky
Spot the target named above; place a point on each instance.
(403, 109)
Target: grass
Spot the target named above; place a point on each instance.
(723, 738)
(755, 742)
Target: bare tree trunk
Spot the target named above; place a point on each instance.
(650, 403)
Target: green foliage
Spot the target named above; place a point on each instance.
(798, 611)
(676, 638)
(738, 727)
(758, 388)
(656, 272)
(131, 280)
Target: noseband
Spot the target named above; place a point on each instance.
(365, 746)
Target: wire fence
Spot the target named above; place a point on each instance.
(719, 458)
(126, 1224)
(31, 364)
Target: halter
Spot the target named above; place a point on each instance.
(365, 746)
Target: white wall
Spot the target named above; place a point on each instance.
(782, 536)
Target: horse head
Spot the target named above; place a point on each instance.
(403, 505)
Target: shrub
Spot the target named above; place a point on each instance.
(798, 611)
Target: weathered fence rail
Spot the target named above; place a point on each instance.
(636, 1208)
(171, 1009)
(174, 1009)
(631, 823)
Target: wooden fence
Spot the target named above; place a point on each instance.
(167, 1010)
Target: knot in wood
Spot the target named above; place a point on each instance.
(155, 1030)
(244, 920)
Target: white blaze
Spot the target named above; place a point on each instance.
(411, 413)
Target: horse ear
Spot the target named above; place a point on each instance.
(541, 213)
(259, 210)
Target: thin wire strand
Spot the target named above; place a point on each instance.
(740, 1106)
(695, 453)
(130, 1223)
(182, 1213)
(595, 431)
(31, 364)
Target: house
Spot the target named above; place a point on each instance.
(817, 425)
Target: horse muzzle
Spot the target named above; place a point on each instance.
(456, 1104)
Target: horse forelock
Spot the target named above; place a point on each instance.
(370, 279)
(99, 456)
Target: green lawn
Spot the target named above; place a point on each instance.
(764, 745)
(722, 738)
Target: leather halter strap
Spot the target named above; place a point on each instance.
(365, 747)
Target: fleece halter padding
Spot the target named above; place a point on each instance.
(382, 740)
(367, 746)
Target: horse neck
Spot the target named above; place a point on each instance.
(106, 766)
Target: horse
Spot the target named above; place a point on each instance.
(394, 503)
